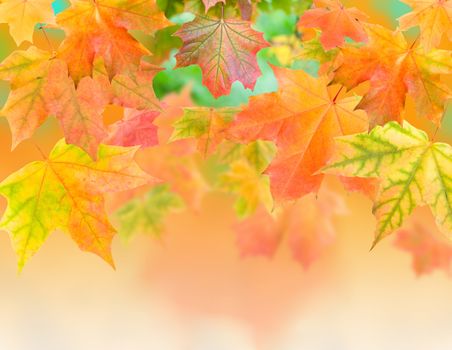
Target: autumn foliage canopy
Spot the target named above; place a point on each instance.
(368, 115)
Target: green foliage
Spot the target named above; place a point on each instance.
(146, 214)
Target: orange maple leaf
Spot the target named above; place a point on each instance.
(40, 87)
(302, 118)
(426, 244)
(104, 33)
(136, 129)
(135, 89)
(394, 70)
(335, 21)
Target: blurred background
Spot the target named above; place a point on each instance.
(191, 290)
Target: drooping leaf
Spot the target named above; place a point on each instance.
(65, 192)
(429, 252)
(27, 105)
(136, 129)
(251, 187)
(394, 70)
(41, 87)
(413, 171)
(259, 234)
(243, 175)
(207, 125)
(302, 118)
(105, 34)
(146, 214)
(246, 9)
(434, 17)
(310, 229)
(135, 90)
(224, 48)
(313, 50)
(78, 110)
(176, 163)
(306, 226)
(211, 3)
(335, 21)
(22, 17)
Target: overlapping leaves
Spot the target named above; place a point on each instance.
(266, 153)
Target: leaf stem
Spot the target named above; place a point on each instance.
(40, 151)
(42, 28)
(337, 93)
(439, 125)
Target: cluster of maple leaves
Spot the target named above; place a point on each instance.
(272, 154)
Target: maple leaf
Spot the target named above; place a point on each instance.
(310, 228)
(224, 48)
(413, 171)
(302, 118)
(434, 17)
(313, 50)
(146, 214)
(424, 243)
(251, 187)
(105, 33)
(135, 90)
(41, 87)
(306, 226)
(78, 110)
(28, 103)
(180, 170)
(22, 17)
(136, 129)
(366, 186)
(211, 3)
(246, 9)
(335, 21)
(243, 174)
(394, 70)
(207, 125)
(65, 192)
(258, 234)
(176, 163)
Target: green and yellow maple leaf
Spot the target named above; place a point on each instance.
(146, 214)
(208, 125)
(65, 192)
(243, 175)
(312, 49)
(413, 171)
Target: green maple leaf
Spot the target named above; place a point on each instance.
(146, 214)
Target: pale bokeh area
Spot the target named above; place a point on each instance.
(190, 290)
